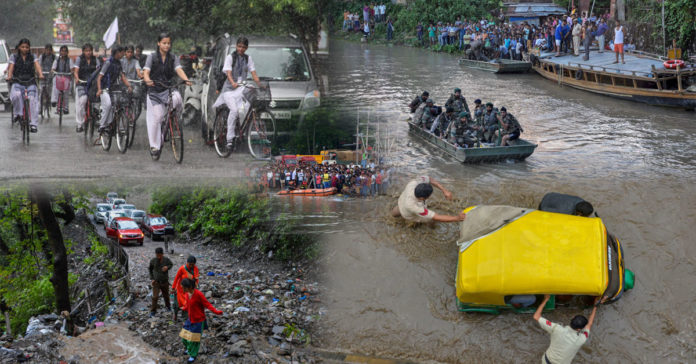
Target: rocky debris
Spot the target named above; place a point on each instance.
(269, 309)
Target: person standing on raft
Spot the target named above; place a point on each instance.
(190, 271)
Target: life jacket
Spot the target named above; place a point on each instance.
(85, 69)
(162, 72)
(24, 69)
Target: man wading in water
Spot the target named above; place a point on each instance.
(412, 202)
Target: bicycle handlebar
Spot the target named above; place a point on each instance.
(177, 84)
(62, 74)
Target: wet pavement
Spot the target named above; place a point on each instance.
(61, 153)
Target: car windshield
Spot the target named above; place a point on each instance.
(128, 207)
(127, 225)
(279, 64)
(112, 195)
(158, 221)
(103, 208)
(138, 214)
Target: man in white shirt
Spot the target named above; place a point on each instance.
(565, 340)
(412, 202)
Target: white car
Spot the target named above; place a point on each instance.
(4, 64)
(110, 215)
(138, 216)
(110, 197)
(100, 212)
(117, 201)
(128, 208)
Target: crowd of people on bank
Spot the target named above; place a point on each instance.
(364, 23)
(484, 39)
(464, 127)
(348, 179)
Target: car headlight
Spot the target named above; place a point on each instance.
(120, 236)
(311, 100)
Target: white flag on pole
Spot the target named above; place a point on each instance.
(110, 35)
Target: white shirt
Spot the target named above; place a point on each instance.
(565, 342)
(410, 207)
(618, 35)
(227, 66)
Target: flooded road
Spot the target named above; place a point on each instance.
(390, 286)
(60, 153)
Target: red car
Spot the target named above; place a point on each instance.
(125, 231)
(157, 226)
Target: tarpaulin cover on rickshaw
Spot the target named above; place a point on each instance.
(507, 250)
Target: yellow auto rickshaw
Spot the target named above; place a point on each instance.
(509, 257)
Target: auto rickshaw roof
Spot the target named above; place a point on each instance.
(512, 251)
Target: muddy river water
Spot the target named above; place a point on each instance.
(390, 286)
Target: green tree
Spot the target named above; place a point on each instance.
(31, 19)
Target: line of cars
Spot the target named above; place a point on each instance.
(128, 225)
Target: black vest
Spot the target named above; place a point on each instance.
(162, 72)
(24, 69)
(63, 65)
(85, 69)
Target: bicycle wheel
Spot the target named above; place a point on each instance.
(106, 136)
(261, 134)
(129, 114)
(60, 109)
(220, 133)
(176, 134)
(120, 122)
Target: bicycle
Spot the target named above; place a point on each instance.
(92, 116)
(119, 123)
(26, 116)
(62, 85)
(171, 130)
(134, 109)
(45, 99)
(260, 134)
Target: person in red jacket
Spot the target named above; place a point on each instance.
(190, 271)
(193, 327)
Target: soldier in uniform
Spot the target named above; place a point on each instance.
(424, 109)
(511, 128)
(457, 102)
(478, 111)
(490, 121)
(463, 130)
(429, 114)
(418, 101)
(442, 123)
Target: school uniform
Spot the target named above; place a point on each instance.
(60, 66)
(233, 97)
(85, 67)
(24, 71)
(161, 71)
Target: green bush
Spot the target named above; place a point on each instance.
(232, 216)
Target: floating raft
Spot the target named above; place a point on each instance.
(519, 151)
(498, 65)
(309, 192)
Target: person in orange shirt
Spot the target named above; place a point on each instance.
(186, 271)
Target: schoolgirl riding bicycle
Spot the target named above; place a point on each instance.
(108, 77)
(130, 65)
(160, 67)
(84, 66)
(62, 64)
(22, 70)
(236, 66)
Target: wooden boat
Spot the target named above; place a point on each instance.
(499, 65)
(309, 192)
(519, 151)
(642, 78)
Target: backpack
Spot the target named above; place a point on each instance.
(222, 76)
(92, 84)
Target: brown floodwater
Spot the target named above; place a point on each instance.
(390, 285)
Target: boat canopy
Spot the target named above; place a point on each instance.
(507, 250)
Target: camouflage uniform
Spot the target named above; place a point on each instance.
(416, 103)
(418, 114)
(441, 124)
(514, 125)
(458, 104)
(428, 117)
(490, 122)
